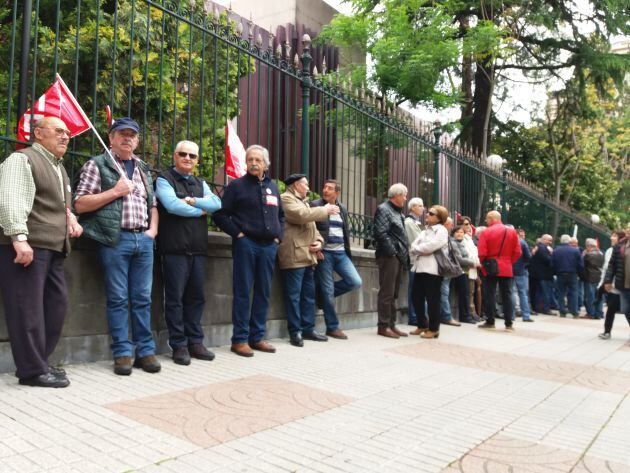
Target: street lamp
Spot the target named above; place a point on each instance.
(497, 163)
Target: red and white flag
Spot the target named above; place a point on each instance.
(58, 102)
(234, 153)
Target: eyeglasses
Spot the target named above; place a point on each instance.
(466, 224)
(58, 131)
(432, 213)
(183, 154)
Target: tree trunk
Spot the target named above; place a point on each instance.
(482, 102)
(466, 89)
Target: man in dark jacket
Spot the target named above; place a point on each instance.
(336, 258)
(251, 213)
(502, 244)
(392, 257)
(541, 272)
(593, 265)
(618, 272)
(567, 264)
(184, 202)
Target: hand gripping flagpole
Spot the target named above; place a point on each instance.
(88, 121)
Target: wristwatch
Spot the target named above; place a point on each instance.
(19, 237)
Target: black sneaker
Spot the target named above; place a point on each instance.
(181, 356)
(148, 363)
(46, 380)
(199, 351)
(486, 326)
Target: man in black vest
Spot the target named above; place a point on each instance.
(36, 226)
(184, 202)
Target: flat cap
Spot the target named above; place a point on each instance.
(292, 178)
(124, 123)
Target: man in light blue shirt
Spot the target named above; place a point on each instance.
(184, 202)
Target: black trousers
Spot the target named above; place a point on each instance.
(389, 275)
(460, 284)
(426, 287)
(184, 298)
(614, 305)
(490, 290)
(35, 305)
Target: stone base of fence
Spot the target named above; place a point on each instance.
(85, 336)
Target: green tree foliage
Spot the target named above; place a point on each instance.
(172, 76)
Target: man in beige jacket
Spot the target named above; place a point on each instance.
(298, 254)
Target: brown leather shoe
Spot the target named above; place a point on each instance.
(387, 332)
(242, 349)
(418, 331)
(122, 365)
(400, 333)
(148, 363)
(263, 345)
(337, 334)
(430, 334)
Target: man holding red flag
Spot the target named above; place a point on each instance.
(36, 227)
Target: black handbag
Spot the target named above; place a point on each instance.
(448, 267)
(491, 265)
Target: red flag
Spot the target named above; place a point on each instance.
(108, 115)
(58, 102)
(234, 153)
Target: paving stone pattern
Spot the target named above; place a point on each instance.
(550, 397)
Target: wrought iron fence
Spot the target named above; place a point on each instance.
(183, 69)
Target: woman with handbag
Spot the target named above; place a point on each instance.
(427, 281)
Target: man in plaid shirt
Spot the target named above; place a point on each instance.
(117, 209)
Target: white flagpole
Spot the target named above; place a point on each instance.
(76, 104)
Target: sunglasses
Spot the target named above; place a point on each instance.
(432, 213)
(183, 154)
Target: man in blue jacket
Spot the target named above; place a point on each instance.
(541, 271)
(567, 263)
(521, 279)
(251, 213)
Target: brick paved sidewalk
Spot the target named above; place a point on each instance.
(550, 397)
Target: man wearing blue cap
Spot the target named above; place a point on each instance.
(118, 209)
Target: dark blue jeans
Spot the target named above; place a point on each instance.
(299, 299)
(253, 265)
(184, 298)
(546, 294)
(567, 284)
(338, 262)
(593, 308)
(411, 312)
(128, 274)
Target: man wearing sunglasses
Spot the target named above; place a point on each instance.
(117, 209)
(184, 202)
(35, 230)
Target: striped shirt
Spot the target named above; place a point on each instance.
(335, 234)
(17, 189)
(134, 205)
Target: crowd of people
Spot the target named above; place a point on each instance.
(454, 268)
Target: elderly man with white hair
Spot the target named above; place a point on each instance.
(392, 257)
(567, 263)
(184, 202)
(251, 213)
(413, 228)
(593, 266)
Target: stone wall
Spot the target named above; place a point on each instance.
(85, 335)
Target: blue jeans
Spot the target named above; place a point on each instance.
(593, 308)
(445, 304)
(522, 292)
(624, 301)
(567, 287)
(299, 299)
(252, 267)
(128, 275)
(184, 298)
(338, 262)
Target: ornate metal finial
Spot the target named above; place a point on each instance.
(287, 50)
(216, 16)
(250, 28)
(239, 28)
(259, 41)
(330, 79)
(306, 41)
(361, 92)
(315, 71)
(324, 65)
(279, 51)
(296, 61)
(271, 37)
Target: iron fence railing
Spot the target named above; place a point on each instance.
(183, 69)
